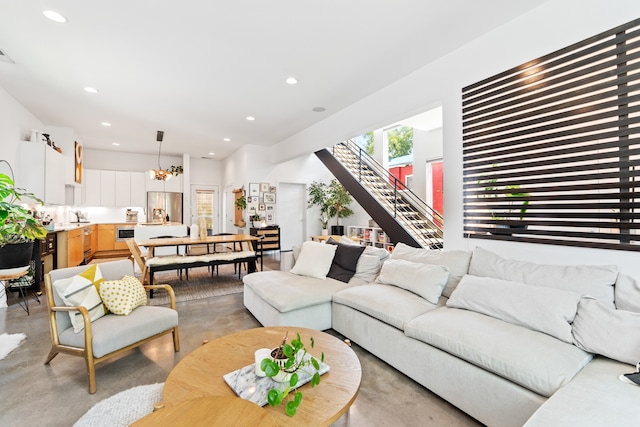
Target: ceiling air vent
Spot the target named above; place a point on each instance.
(5, 58)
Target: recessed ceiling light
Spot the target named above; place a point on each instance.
(212, 154)
(90, 89)
(54, 16)
(115, 143)
(227, 140)
(251, 118)
(105, 124)
(291, 80)
(318, 109)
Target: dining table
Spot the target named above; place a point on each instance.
(244, 241)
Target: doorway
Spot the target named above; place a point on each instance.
(205, 207)
(292, 207)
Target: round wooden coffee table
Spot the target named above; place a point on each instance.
(200, 373)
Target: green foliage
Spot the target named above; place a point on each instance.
(400, 141)
(339, 201)
(491, 184)
(241, 203)
(295, 353)
(368, 143)
(17, 224)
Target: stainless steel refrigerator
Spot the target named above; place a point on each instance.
(160, 203)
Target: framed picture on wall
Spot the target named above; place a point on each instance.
(269, 197)
(271, 207)
(270, 218)
(272, 189)
(261, 207)
(264, 187)
(254, 189)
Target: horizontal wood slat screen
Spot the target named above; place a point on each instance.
(551, 148)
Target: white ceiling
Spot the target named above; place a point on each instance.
(196, 68)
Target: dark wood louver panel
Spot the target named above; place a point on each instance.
(551, 148)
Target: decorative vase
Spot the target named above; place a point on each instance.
(284, 375)
(337, 230)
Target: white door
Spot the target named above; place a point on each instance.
(229, 210)
(292, 209)
(204, 207)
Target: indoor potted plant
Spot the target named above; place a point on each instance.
(338, 202)
(286, 364)
(319, 196)
(18, 226)
(256, 220)
(241, 205)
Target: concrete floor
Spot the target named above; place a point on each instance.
(32, 393)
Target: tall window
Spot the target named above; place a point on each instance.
(551, 149)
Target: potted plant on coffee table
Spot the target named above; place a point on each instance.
(288, 362)
(18, 226)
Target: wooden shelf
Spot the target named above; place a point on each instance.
(271, 241)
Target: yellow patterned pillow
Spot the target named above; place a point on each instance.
(82, 290)
(122, 296)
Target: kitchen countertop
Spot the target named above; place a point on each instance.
(67, 226)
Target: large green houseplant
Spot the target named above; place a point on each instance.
(333, 199)
(18, 227)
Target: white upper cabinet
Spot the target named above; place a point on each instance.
(114, 188)
(41, 171)
(174, 184)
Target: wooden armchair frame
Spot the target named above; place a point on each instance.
(87, 351)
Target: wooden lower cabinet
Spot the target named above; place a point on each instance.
(69, 250)
(107, 247)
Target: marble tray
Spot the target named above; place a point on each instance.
(247, 385)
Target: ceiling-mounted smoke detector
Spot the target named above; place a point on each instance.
(5, 58)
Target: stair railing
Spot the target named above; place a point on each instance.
(401, 194)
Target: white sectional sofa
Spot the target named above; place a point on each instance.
(508, 342)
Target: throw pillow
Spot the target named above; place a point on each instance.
(425, 280)
(82, 290)
(456, 261)
(124, 295)
(314, 260)
(542, 309)
(595, 281)
(345, 261)
(603, 330)
(627, 293)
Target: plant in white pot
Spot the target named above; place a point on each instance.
(18, 227)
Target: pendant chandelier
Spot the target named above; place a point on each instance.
(160, 174)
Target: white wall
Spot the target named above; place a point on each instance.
(15, 125)
(551, 26)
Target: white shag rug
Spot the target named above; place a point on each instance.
(9, 342)
(123, 408)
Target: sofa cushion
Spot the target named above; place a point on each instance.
(533, 360)
(367, 269)
(113, 332)
(542, 309)
(595, 281)
(603, 330)
(285, 291)
(425, 280)
(314, 260)
(456, 261)
(389, 304)
(345, 261)
(627, 293)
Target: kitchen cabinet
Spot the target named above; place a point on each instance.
(69, 249)
(107, 188)
(114, 188)
(41, 172)
(91, 178)
(174, 184)
(94, 239)
(106, 237)
(138, 189)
